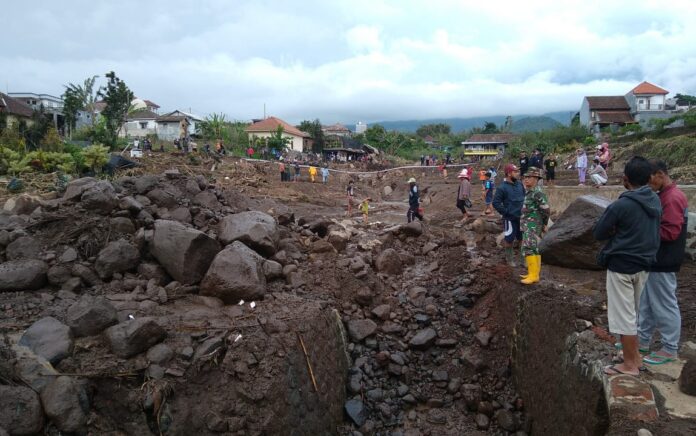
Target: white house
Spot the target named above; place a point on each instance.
(177, 124)
(647, 102)
(140, 124)
(299, 140)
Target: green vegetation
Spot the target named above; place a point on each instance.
(677, 151)
(314, 129)
(118, 99)
(233, 134)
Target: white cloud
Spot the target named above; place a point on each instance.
(359, 60)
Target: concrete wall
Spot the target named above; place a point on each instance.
(168, 131)
(297, 143)
(134, 129)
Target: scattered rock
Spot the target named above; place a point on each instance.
(66, 404)
(24, 247)
(355, 409)
(359, 329)
(687, 379)
(506, 420)
(118, 256)
(20, 410)
(423, 340)
(382, 311)
(338, 238)
(75, 188)
(101, 197)
(272, 269)
(257, 230)
(482, 421)
(90, 315)
(184, 253)
(483, 337)
(235, 274)
(134, 336)
(389, 262)
(160, 354)
(49, 338)
(22, 275)
(414, 228)
(322, 246)
(23, 204)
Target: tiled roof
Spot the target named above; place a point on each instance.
(619, 117)
(271, 124)
(15, 107)
(608, 102)
(648, 88)
(501, 138)
(143, 114)
(170, 118)
(338, 127)
(149, 103)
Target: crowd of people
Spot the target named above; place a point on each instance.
(645, 235)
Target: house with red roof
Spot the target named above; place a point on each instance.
(299, 141)
(647, 102)
(641, 104)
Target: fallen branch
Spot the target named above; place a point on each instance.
(309, 365)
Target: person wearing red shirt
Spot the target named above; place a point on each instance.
(659, 308)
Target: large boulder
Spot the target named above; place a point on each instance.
(569, 241)
(90, 315)
(49, 338)
(101, 197)
(237, 273)
(75, 188)
(389, 262)
(134, 336)
(66, 404)
(22, 275)
(118, 256)
(184, 252)
(20, 410)
(255, 229)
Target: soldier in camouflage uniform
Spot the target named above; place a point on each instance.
(535, 217)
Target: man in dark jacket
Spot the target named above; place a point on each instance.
(508, 201)
(630, 225)
(413, 201)
(537, 159)
(524, 163)
(659, 308)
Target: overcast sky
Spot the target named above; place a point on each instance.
(356, 59)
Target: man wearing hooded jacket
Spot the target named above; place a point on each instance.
(630, 225)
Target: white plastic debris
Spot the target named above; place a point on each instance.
(252, 304)
(130, 316)
(237, 338)
(241, 303)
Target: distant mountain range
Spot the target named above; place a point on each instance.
(520, 123)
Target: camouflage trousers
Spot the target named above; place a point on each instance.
(531, 235)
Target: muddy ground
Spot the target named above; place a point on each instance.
(426, 313)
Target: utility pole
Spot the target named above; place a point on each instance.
(264, 111)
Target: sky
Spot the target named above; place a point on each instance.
(356, 60)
